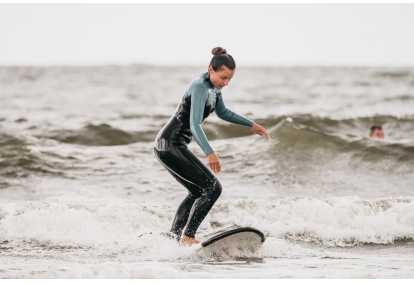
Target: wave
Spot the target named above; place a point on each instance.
(301, 158)
(18, 160)
(305, 139)
(394, 73)
(331, 222)
(357, 128)
(306, 133)
(320, 139)
(353, 127)
(100, 135)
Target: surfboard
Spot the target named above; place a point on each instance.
(245, 239)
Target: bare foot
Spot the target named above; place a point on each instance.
(188, 241)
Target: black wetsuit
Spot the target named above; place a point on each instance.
(200, 99)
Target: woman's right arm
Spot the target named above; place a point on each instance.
(198, 101)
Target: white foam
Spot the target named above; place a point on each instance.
(344, 221)
(112, 239)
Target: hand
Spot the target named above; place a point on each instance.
(214, 162)
(261, 131)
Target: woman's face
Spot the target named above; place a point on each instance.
(221, 77)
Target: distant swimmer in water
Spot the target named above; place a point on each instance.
(201, 97)
(376, 131)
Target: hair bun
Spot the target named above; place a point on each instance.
(218, 51)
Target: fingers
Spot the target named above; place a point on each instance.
(214, 163)
(260, 130)
(215, 167)
(266, 134)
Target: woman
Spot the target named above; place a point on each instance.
(202, 97)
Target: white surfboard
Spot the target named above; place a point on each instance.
(245, 239)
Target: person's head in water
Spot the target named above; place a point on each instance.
(222, 67)
(376, 131)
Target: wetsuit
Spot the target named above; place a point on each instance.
(199, 100)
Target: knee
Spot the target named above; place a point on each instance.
(215, 190)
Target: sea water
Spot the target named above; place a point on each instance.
(83, 196)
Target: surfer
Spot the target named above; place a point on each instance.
(201, 97)
(376, 131)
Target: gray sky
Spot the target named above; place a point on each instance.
(184, 34)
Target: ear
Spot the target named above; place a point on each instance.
(210, 69)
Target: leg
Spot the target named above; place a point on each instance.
(184, 209)
(204, 188)
(201, 208)
(194, 192)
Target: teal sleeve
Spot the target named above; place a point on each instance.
(227, 115)
(198, 102)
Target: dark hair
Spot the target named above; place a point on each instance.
(375, 127)
(221, 58)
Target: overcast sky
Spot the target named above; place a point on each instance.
(184, 34)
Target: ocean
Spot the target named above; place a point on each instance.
(83, 196)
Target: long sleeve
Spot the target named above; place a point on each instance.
(198, 102)
(227, 115)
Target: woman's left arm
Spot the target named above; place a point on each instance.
(227, 115)
(260, 130)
